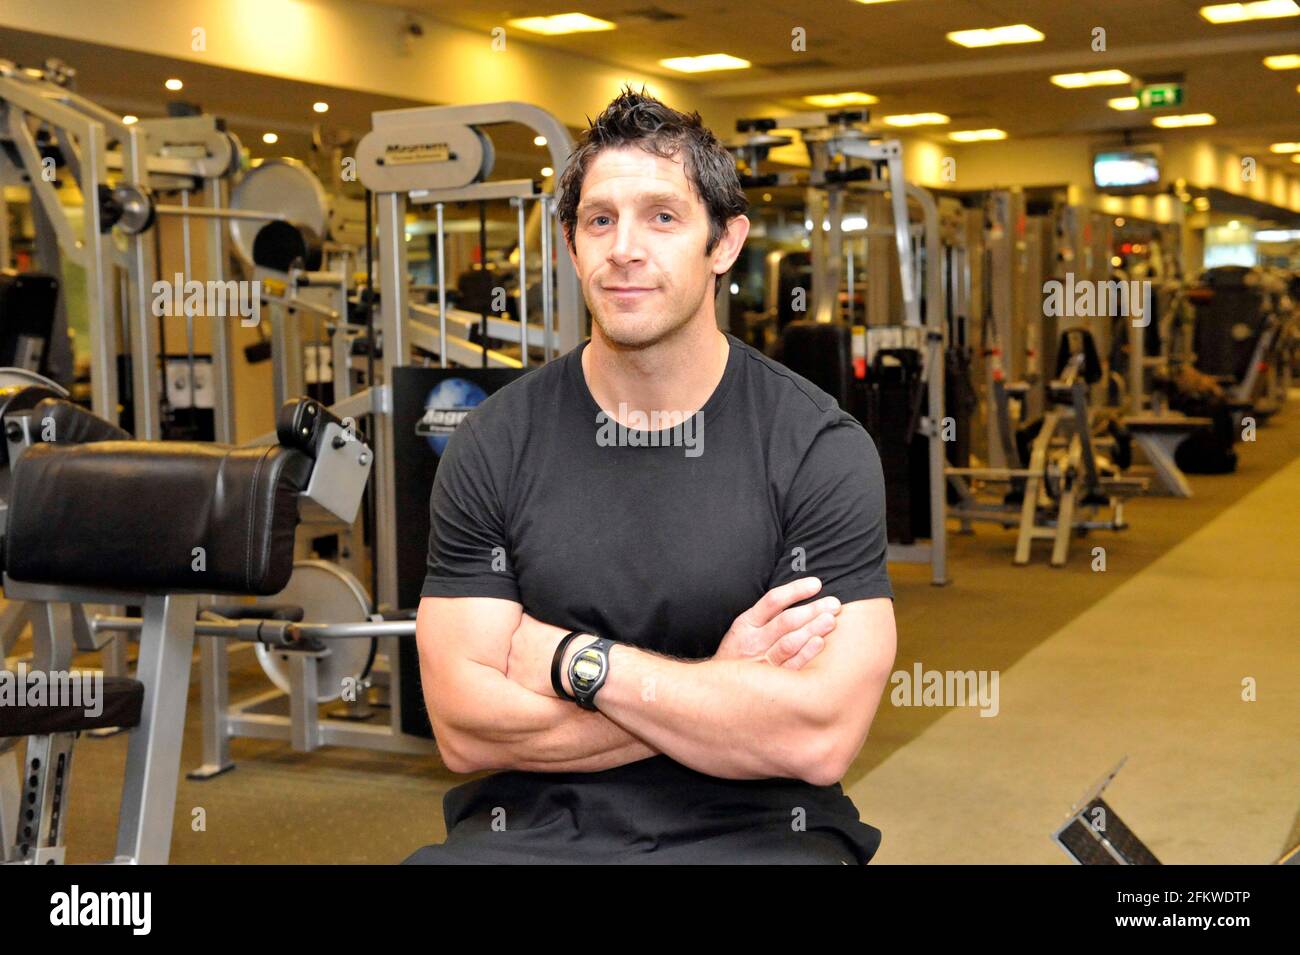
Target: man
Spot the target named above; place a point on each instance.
(658, 575)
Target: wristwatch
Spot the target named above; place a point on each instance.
(588, 670)
(558, 659)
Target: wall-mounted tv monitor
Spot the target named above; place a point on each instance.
(1125, 169)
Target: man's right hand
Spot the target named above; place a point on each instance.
(776, 632)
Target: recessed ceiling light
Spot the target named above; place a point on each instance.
(836, 100)
(1187, 119)
(704, 64)
(1286, 61)
(547, 172)
(1259, 10)
(996, 36)
(977, 135)
(539, 140)
(174, 85)
(917, 119)
(1123, 102)
(561, 23)
(1075, 81)
(128, 119)
(270, 138)
(320, 107)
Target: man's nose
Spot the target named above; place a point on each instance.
(628, 242)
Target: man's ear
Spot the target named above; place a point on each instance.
(729, 244)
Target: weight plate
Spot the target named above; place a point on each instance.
(327, 594)
(284, 186)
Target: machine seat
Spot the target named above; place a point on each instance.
(121, 700)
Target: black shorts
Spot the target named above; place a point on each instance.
(652, 812)
(745, 847)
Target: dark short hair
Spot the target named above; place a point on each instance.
(638, 119)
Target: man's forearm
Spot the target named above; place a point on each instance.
(728, 718)
(560, 739)
(732, 718)
(503, 725)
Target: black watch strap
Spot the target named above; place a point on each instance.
(557, 661)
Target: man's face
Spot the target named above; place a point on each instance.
(640, 236)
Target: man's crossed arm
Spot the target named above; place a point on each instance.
(791, 691)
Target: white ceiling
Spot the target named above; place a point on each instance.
(898, 52)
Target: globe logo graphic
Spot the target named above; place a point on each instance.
(445, 408)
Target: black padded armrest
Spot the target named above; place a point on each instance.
(155, 517)
(74, 424)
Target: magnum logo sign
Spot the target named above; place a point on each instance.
(399, 154)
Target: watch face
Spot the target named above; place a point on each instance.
(586, 668)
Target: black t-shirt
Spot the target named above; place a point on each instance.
(540, 499)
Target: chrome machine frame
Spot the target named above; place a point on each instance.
(436, 155)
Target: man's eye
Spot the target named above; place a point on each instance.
(595, 220)
(668, 214)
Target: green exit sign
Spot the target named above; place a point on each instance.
(1160, 95)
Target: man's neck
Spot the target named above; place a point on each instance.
(677, 375)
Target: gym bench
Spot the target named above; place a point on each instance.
(94, 518)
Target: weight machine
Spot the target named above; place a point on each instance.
(119, 170)
(55, 140)
(848, 161)
(1043, 453)
(436, 156)
(1157, 428)
(1064, 483)
(439, 156)
(45, 127)
(123, 173)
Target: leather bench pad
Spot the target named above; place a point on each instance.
(128, 515)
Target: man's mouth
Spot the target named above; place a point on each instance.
(628, 291)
